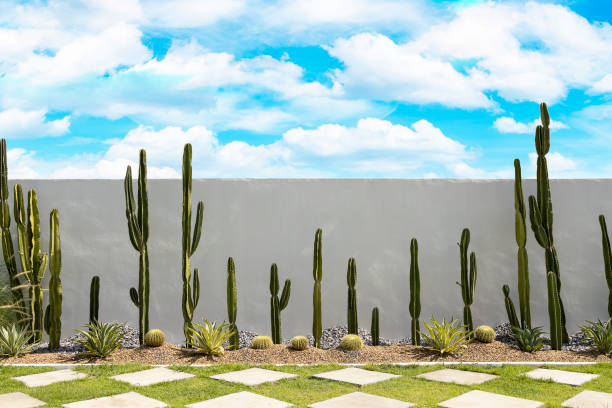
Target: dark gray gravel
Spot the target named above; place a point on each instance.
(578, 341)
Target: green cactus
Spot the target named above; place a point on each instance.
(521, 241)
(351, 280)
(8, 250)
(94, 299)
(510, 310)
(262, 343)
(232, 304)
(374, 328)
(53, 323)
(190, 295)
(554, 312)
(484, 334)
(607, 255)
(33, 260)
(415, 292)
(138, 228)
(154, 338)
(317, 272)
(468, 281)
(276, 304)
(351, 342)
(541, 211)
(299, 343)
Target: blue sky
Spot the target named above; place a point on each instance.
(305, 88)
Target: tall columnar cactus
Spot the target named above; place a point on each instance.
(33, 260)
(554, 312)
(541, 211)
(468, 279)
(138, 227)
(510, 310)
(8, 250)
(521, 241)
(317, 272)
(607, 255)
(191, 295)
(276, 304)
(374, 328)
(53, 322)
(351, 280)
(94, 299)
(415, 292)
(232, 303)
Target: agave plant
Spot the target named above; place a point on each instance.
(14, 341)
(600, 333)
(210, 337)
(528, 339)
(446, 337)
(101, 339)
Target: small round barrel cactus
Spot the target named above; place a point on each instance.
(351, 342)
(299, 343)
(262, 342)
(484, 334)
(154, 338)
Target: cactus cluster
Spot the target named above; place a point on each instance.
(351, 280)
(374, 328)
(351, 342)
(299, 343)
(276, 304)
(53, 324)
(94, 299)
(607, 255)
(191, 294)
(154, 338)
(232, 304)
(317, 272)
(468, 279)
(138, 228)
(415, 293)
(262, 343)
(484, 334)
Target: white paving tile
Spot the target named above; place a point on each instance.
(560, 376)
(127, 400)
(361, 400)
(152, 376)
(19, 400)
(449, 375)
(483, 399)
(50, 377)
(589, 399)
(241, 399)
(253, 376)
(354, 375)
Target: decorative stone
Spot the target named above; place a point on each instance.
(19, 400)
(50, 377)
(361, 400)
(357, 376)
(589, 399)
(449, 375)
(152, 376)
(241, 400)
(253, 376)
(483, 399)
(129, 399)
(560, 376)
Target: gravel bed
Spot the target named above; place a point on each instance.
(578, 341)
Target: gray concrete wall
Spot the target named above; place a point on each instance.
(263, 221)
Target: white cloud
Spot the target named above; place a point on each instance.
(558, 165)
(506, 124)
(17, 123)
(21, 164)
(188, 13)
(604, 85)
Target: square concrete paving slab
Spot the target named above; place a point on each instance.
(152, 376)
(19, 400)
(129, 399)
(241, 399)
(589, 399)
(50, 377)
(483, 399)
(357, 376)
(560, 376)
(253, 376)
(361, 400)
(449, 375)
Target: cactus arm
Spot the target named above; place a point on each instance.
(55, 284)
(143, 197)
(286, 293)
(607, 255)
(510, 310)
(134, 296)
(274, 280)
(317, 271)
(196, 288)
(197, 232)
(133, 229)
(94, 299)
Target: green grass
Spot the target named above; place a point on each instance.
(304, 390)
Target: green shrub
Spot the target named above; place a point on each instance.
(14, 341)
(101, 339)
(154, 338)
(351, 342)
(484, 334)
(528, 339)
(600, 334)
(262, 342)
(446, 338)
(299, 343)
(209, 337)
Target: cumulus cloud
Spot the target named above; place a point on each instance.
(604, 85)
(558, 165)
(17, 123)
(506, 124)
